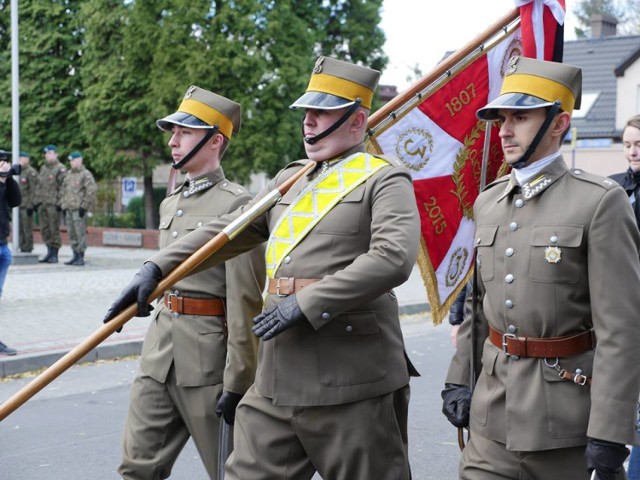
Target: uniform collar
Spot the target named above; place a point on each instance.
(325, 164)
(202, 182)
(539, 182)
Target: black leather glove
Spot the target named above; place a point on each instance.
(81, 212)
(29, 212)
(269, 324)
(606, 458)
(227, 404)
(141, 286)
(58, 208)
(456, 403)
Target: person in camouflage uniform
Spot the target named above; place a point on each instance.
(50, 180)
(78, 196)
(28, 190)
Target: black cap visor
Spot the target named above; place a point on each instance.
(182, 119)
(321, 101)
(515, 101)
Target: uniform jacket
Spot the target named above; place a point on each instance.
(9, 197)
(78, 190)
(351, 347)
(523, 402)
(28, 186)
(50, 183)
(196, 344)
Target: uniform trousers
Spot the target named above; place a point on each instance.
(49, 217)
(77, 229)
(359, 440)
(484, 459)
(26, 230)
(161, 418)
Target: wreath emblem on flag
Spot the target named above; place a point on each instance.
(457, 266)
(414, 148)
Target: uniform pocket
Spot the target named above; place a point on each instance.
(351, 350)
(211, 344)
(196, 221)
(485, 238)
(345, 217)
(487, 384)
(555, 254)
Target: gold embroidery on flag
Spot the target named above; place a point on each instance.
(314, 202)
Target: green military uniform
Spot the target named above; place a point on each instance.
(28, 190)
(331, 393)
(557, 256)
(188, 359)
(78, 196)
(49, 188)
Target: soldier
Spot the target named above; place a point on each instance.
(78, 196)
(557, 303)
(28, 190)
(50, 180)
(332, 386)
(199, 355)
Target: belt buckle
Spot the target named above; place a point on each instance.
(278, 294)
(170, 296)
(505, 337)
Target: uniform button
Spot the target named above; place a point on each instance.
(174, 234)
(185, 194)
(519, 203)
(177, 293)
(478, 240)
(180, 213)
(577, 171)
(508, 278)
(224, 184)
(162, 224)
(513, 226)
(508, 304)
(512, 329)
(509, 252)
(199, 224)
(349, 328)
(553, 239)
(325, 316)
(287, 259)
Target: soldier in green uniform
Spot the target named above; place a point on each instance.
(28, 190)
(557, 302)
(78, 196)
(50, 180)
(332, 386)
(199, 355)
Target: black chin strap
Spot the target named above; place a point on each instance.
(333, 127)
(553, 110)
(200, 144)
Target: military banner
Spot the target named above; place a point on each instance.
(434, 132)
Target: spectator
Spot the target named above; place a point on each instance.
(50, 180)
(77, 197)
(28, 190)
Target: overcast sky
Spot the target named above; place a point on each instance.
(421, 31)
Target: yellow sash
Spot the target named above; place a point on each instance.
(314, 202)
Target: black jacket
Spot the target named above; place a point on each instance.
(630, 181)
(9, 197)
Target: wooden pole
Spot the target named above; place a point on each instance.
(177, 274)
(422, 83)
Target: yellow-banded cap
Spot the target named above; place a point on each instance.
(336, 84)
(201, 108)
(531, 83)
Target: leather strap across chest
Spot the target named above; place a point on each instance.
(552, 347)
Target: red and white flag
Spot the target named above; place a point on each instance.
(441, 142)
(542, 23)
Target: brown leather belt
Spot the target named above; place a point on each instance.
(284, 286)
(194, 306)
(543, 347)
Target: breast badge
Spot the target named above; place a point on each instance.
(552, 254)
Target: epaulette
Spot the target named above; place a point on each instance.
(394, 161)
(603, 182)
(234, 188)
(497, 181)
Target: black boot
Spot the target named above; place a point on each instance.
(46, 258)
(54, 256)
(79, 261)
(73, 259)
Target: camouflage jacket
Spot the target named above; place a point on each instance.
(78, 190)
(28, 186)
(50, 183)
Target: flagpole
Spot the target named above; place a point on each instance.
(450, 62)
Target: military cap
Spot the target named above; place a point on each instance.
(50, 148)
(529, 83)
(74, 155)
(24, 153)
(201, 108)
(336, 84)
